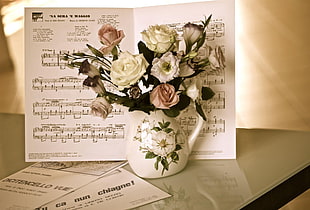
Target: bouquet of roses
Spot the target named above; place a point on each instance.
(161, 77)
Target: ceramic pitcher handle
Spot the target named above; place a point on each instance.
(194, 134)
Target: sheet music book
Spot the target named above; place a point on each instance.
(59, 126)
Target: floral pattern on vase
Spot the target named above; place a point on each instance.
(160, 142)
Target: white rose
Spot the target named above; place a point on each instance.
(128, 69)
(159, 38)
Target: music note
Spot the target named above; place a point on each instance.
(51, 58)
(79, 133)
(56, 84)
(63, 108)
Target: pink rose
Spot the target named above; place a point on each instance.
(109, 37)
(100, 107)
(164, 96)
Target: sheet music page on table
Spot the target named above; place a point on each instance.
(217, 138)
(59, 126)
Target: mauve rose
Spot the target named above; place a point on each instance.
(100, 107)
(164, 96)
(95, 83)
(191, 34)
(87, 69)
(109, 37)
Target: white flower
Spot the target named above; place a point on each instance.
(165, 68)
(163, 143)
(159, 38)
(192, 91)
(128, 69)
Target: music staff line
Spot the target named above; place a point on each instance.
(215, 29)
(213, 77)
(61, 108)
(58, 132)
(56, 84)
(217, 102)
(77, 109)
(74, 83)
(51, 58)
(211, 126)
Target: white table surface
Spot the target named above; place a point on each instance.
(265, 159)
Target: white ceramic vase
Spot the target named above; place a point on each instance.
(156, 144)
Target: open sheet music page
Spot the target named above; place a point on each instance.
(59, 126)
(217, 139)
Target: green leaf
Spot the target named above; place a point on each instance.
(178, 147)
(158, 159)
(207, 21)
(152, 81)
(207, 93)
(165, 164)
(79, 54)
(150, 155)
(200, 111)
(200, 41)
(174, 156)
(147, 53)
(156, 129)
(95, 51)
(176, 82)
(164, 125)
(183, 103)
(114, 52)
(168, 130)
(172, 112)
